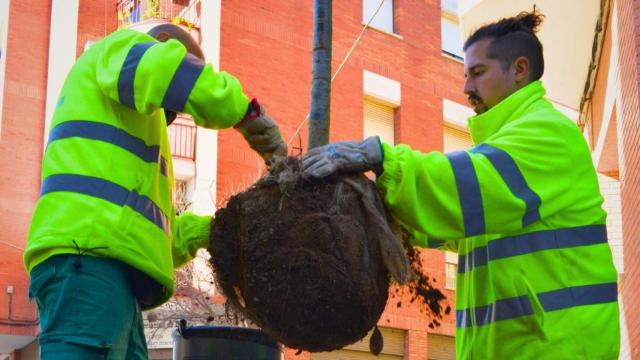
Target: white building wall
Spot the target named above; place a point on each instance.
(207, 140)
(610, 189)
(62, 53)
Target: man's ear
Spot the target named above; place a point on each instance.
(521, 70)
(162, 36)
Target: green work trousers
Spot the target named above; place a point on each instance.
(87, 309)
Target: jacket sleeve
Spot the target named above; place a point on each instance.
(190, 233)
(525, 175)
(143, 74)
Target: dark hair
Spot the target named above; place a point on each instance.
(511, 38)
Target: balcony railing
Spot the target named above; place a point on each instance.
(181, 12)
(182, 137)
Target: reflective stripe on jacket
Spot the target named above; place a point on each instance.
(107, 173)
(523, 210)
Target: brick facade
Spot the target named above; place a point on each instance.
(267, 45)
(21, 148)
(629, 74)
(22, 135)
(96, 19)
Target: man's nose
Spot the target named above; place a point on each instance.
(468, 88)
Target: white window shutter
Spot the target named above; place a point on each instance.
(379, 120)
(455, 139)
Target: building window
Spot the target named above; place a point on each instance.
(441, 347)
(383, 19)
(381, 99)
(455, 138)
(394, 347)
(451, 269)
(455, 134)
(379, 120)
(450, 29)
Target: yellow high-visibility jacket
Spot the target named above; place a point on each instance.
(107, 175)
(523, 210)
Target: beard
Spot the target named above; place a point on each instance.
(478, 105)
(480, 108)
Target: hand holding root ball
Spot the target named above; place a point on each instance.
(308, 260)
(262, 133)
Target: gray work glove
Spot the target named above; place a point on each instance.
(349, 156)
(261, 132)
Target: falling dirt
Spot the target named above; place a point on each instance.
(422, 290)
(298, 258)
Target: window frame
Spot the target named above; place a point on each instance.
(380, 25)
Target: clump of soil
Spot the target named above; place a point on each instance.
(421, 289)
(299, 257)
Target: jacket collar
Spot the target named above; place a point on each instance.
(482, 126)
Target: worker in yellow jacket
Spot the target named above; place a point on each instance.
(522, 208)
(104, 237)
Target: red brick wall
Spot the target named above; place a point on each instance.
(21, 149)
(267, 45)
(629, 40)
(416, 345)
(96, 19)
(22, 136)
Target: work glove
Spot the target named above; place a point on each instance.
(348, 156)
(261, 132)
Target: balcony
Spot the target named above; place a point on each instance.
(180, 12)
(182, 137)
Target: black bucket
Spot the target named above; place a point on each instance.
(223, 343)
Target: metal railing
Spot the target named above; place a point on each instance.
(182, 138)
(181, 12)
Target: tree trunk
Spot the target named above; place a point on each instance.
(320, 74)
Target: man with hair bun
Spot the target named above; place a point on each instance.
(522, 208)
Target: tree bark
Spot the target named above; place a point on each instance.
(320, 75)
